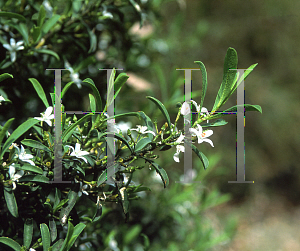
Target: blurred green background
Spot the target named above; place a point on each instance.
(263, 32)
(179, 33)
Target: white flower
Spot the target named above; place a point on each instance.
(22, 155)
(123, 126)
(202, 135)
(106, 13)
(13, 47)
(203, 109)
(31, 249)
(179, 149)
(78, 153)
(1, 99)
(74, 75)
(185, 109)
(47, 116)
(47, 6)
(143, 130)
(15, 176)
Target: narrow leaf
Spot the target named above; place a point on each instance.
(17, 133)
(53, 229)
(24, 32)
(120, 81)
(162, 173)
(119, 137)
(141, 144)
(11, 243)
(35, 144)
(41, 17)
(201, 156)
(102, 178)
(67, 133)
(57, 245)
(218, 122)
(40, 91)
(45, 236)
(34, 178)
(5, 75)
(46, 51)
(50, 23)
(148, 123)
(11, 201)
(5, 129)
(68, 237)
(204, 82)
(28, 232)
(11, 15)
(77, 231)
(162, 108)
(30, 168)
(96, 93)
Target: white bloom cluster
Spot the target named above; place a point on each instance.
(199, 133)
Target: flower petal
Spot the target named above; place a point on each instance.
(185, 109)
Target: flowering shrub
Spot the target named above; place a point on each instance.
(31, 200)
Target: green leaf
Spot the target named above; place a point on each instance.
(236, 84)
(11, 243)
(102, 178)
(34, 178)
(45, 51)
(132, 234)
(31, 168)
(35, 144)
(24, 32)
(64, 213)
(218, 122)
(56, 199)
(17, 133)
(5, 129)
(41, 17)
(146, 241)
(96, 93)
(120, 81)
(60, 205)
(141, 144)
(233, 110)
(119, 137)
(163, 174)
(36, 33)
(67, 133)
(204, 82)
(45, 236)
(28, 232)
(53, 229)
(162, 108)
(228, 77)
(50, 23)
(57, 245)
(5, 75)
(92, 103)
(92, 106)
(201, 156)
(148, 123)
(68, 237)
(40, 91)
(11, 201)
(77, 231)
(11, 15)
